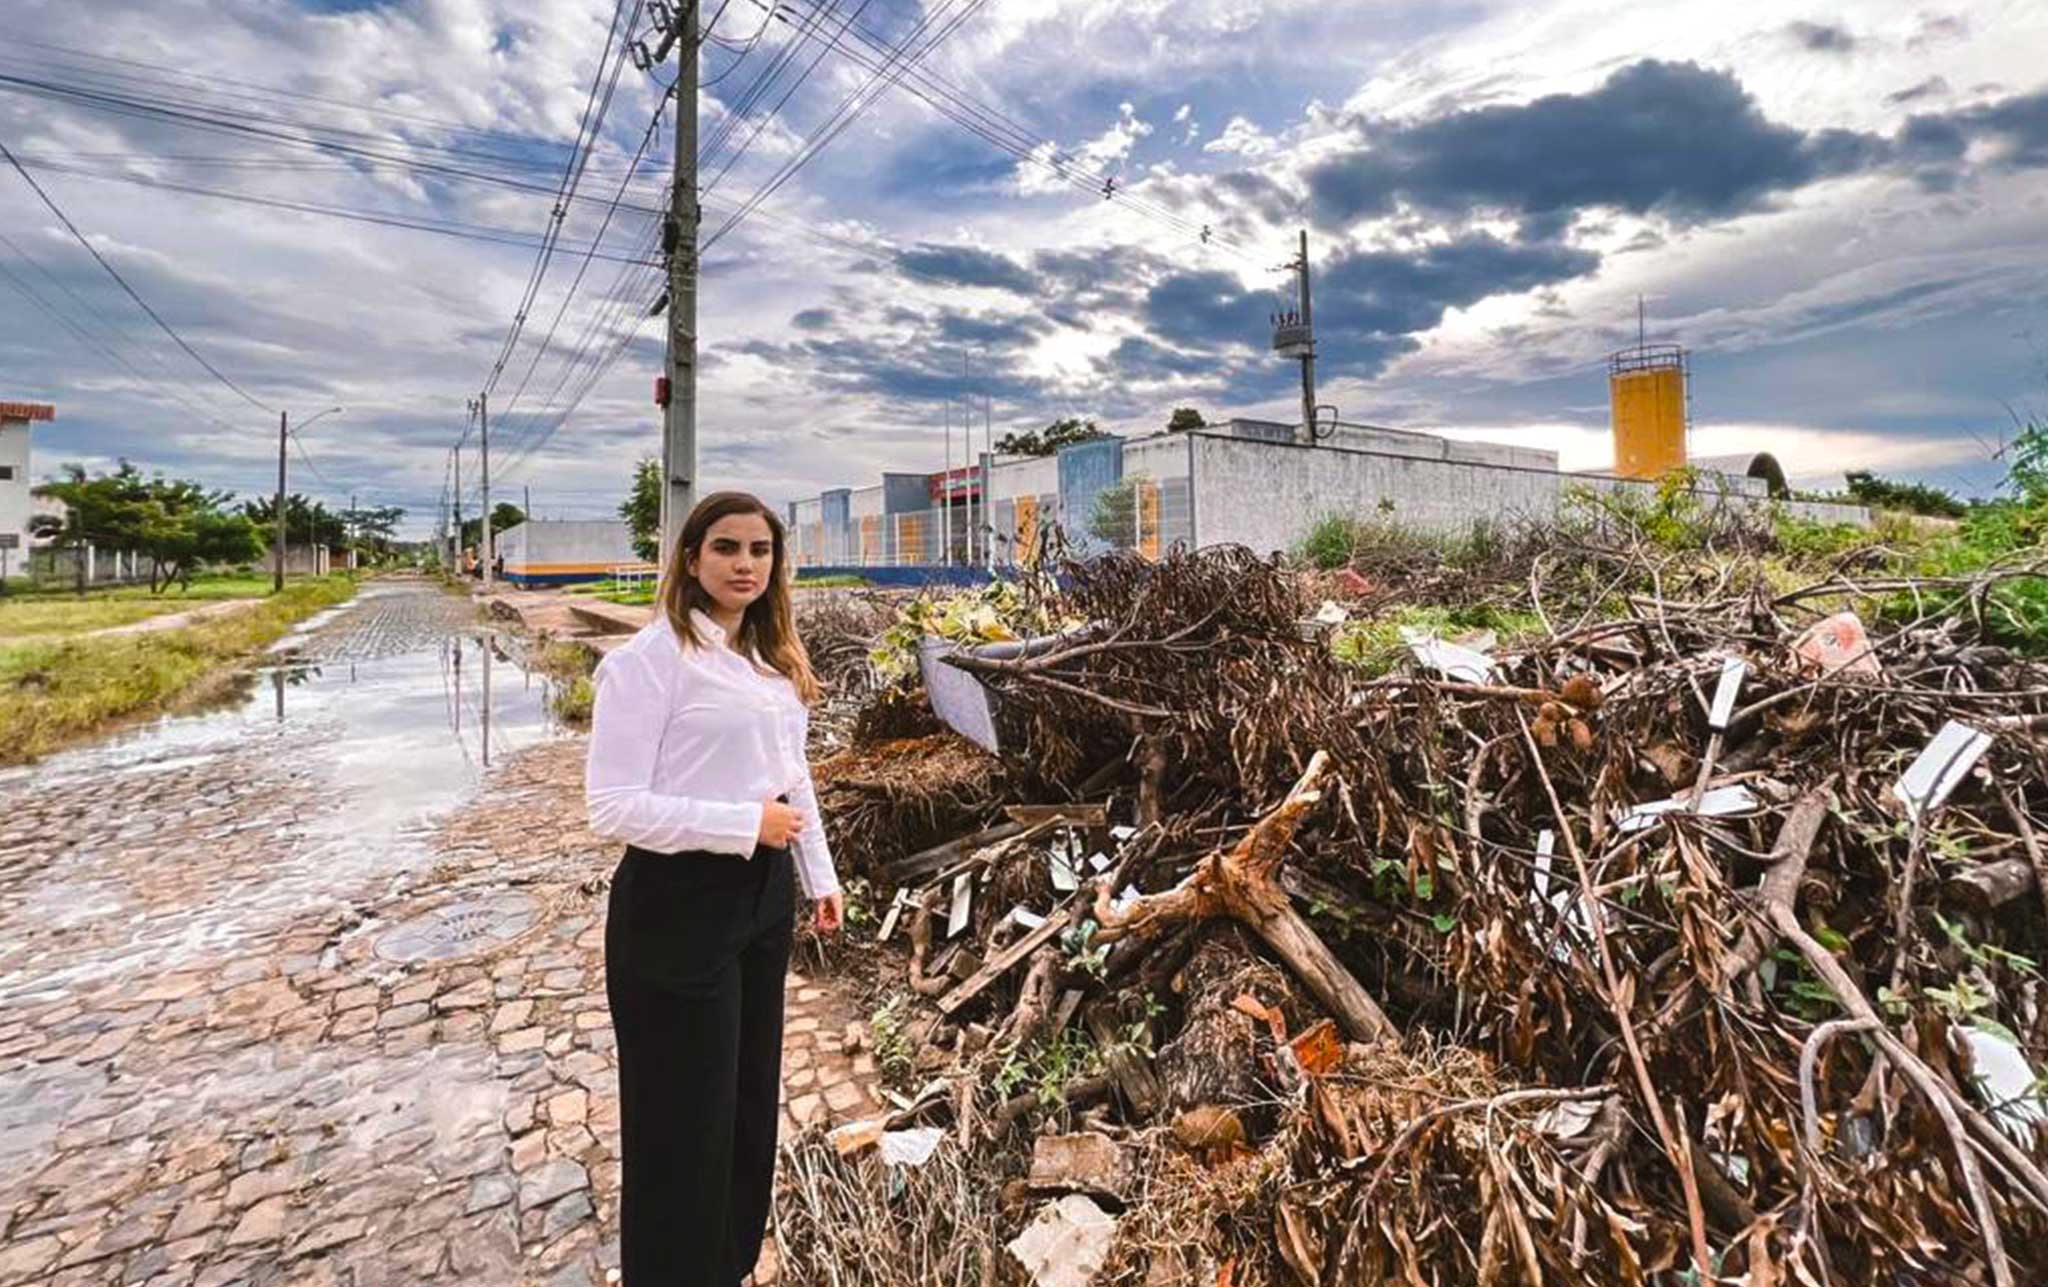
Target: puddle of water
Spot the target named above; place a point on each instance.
(371, 750)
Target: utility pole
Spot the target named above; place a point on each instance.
(277, 579)
(1308, 359)
(351, 531)
(457, 564)
(526, 492)
(946, 496)
(482, 407)
(679, 239)
(988, 443)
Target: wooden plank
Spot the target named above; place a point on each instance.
(904, 870)
(1081, 815)
(1133, 1074)
(1005, 961)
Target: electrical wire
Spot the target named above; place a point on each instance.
(122, 282)
(905, 55)
(587, 134)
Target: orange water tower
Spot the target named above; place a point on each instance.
(1646, 386)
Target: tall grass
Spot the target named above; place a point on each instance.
(56, 691)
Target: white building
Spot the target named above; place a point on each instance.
(16, 505)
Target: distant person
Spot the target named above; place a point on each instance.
(697, 762)
(498, 566)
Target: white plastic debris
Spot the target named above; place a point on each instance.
(1025, 917)
(912, 1147)
(1066, 1244)
(1063, 878)
(2007, 1082)
(1121, 833)
(963, 901)
(1732, 671)
(1940, 768)
(1332, 613)
(1100, 862)
(1721, 802)
(1128, 895)
(1453, 661)
(1565, 901)
(1570, 1118)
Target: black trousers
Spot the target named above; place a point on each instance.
(696, 948)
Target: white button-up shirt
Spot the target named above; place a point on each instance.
(686, 743)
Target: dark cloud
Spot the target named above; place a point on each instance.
(812, 319)
(965, 266)
(2017, 127)
(1369, 304)
(1929, 88)
(989, 330)
(1137, 358)
(1821, 37)
(1672, 138)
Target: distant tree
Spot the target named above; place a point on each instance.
(642, 510)
(305, 522)
(179, 525)
(1915, 498)
(1185, 418)
(375, 529)
(1047, 442)
(504, 517)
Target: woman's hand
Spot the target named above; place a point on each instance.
(780, 824)
(828, 912)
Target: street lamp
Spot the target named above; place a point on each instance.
(283, 432)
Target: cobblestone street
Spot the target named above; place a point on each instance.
(311, 989)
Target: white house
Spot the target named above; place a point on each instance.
(15, 503)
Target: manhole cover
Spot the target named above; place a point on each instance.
(460, 929)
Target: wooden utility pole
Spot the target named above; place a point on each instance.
(277, 578)
(483, 421)
(679, 414)
(457, 564)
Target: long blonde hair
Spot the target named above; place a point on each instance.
(769, 626)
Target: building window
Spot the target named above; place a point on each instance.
(6, 473)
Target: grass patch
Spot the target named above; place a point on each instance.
(839, 581)
(63, 612)
(571, 693)
(57, 690)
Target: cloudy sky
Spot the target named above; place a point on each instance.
(1840, 211)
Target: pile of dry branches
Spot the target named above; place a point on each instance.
(1394, 978)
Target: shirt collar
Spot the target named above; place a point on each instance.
(706, 628)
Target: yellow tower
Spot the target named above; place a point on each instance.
(1646, 386)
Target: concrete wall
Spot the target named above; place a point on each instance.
(864, 502)
(561, 552)
(1237, 482)
(14, 497)
(1026, 476)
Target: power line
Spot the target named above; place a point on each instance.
(902, 58)
(443, 227)
(121, 281)
(587, 134)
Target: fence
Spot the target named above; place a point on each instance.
(49, 565)
(1145, 514)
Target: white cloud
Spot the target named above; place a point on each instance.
(1105, 154)
(1243, 138)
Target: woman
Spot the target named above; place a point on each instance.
(697, 763)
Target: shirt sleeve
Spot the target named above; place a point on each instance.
(618, 778)
(813, 854)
